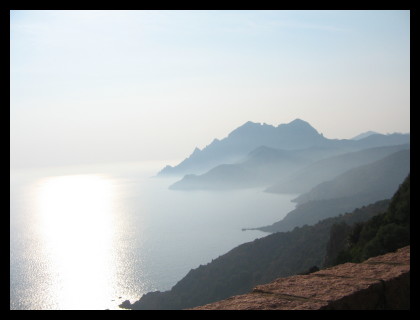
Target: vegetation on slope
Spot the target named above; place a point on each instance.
(383, 233)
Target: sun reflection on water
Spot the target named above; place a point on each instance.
(76, 222)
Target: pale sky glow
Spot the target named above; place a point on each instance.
(104, 86)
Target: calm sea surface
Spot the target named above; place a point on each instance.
(90, 237)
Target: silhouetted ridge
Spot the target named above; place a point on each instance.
(298, 138)
(236, 176)
(241, 141)
(299, 126)
(250, 129)
(364, 135)
(261, 166)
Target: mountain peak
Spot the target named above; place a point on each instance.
(298, 123)
(249, 128)
(364, 135)
(250, 124)
(298, 126)
(298, 120)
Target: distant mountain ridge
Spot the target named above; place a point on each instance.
(297, 138)
(364, 135)
(381, 177)
(297, 134)
(305, 159)
(259, 166)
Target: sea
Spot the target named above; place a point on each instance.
(92, 236)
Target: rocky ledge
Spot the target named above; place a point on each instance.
(379, 283)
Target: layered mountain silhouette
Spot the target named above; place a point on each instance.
(341, 184)
(297, 134)
(354, 188)
(378, 179)
(263, 155)
(262, 165)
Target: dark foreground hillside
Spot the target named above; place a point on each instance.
(284, 254)
(383, 233)
(379, 283)
(263, 260)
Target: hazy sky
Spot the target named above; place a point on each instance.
(104, 86)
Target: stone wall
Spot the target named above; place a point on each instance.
(379, 283)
